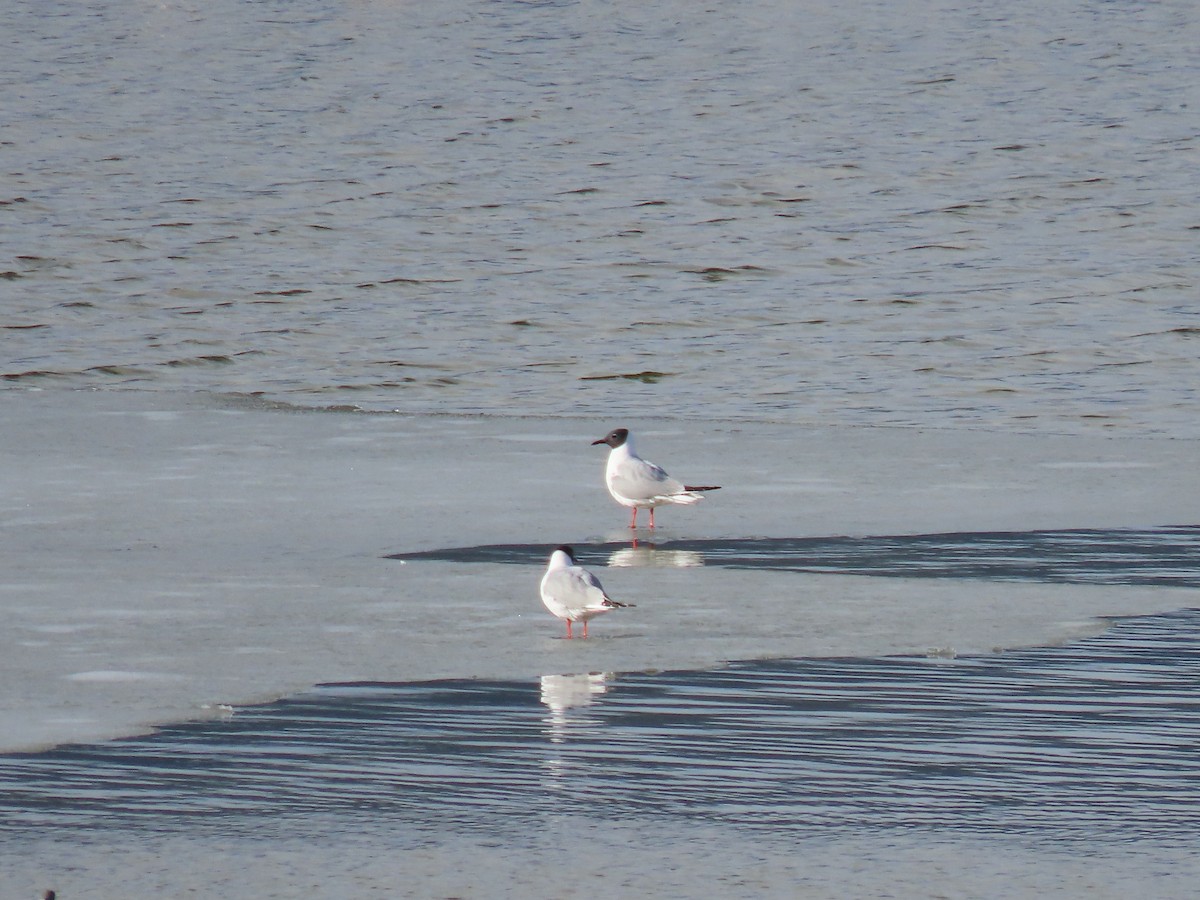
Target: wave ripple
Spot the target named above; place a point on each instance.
(1092, 741)
(1159, 556)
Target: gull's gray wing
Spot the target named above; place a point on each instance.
(575, 588)
(639, 479)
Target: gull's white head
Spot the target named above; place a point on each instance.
(562, 557)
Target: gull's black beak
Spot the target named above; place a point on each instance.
(602, 440)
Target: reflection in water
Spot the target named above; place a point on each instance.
(1091, 741)
(560, 693)
(1153, 556)
(566, 698)
(649, 555)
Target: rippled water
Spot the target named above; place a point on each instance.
(1091, 742)
(881, 213)
(1169, 557)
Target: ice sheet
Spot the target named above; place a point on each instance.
(165, 555)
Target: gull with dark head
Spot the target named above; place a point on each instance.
(639, 483)
(573, 593)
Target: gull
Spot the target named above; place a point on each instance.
(573, 593)
(639, 483)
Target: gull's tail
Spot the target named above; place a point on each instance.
(688, 495)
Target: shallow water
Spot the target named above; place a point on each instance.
(920, 214)
(1066, 769)
(1167, 557)
(1079, 748)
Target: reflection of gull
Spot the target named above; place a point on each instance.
(563, 692)
(221, 711)
(639, 483)
(573, 593)
(648, 556)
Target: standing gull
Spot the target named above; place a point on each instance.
(639, 483)
(573, 593)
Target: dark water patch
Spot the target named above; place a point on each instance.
(719, 273)
(408, 364)
(118, 371)
(1167, 556)
(206, 360)
(1183, 330)
(646, 377)
(34, 374)
(1092, 741)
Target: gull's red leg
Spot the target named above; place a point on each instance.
(633, 521)
(569, 635)
(652, 517)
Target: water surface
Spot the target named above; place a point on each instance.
(892, 213)
(1167, 557)
(1076, 746)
